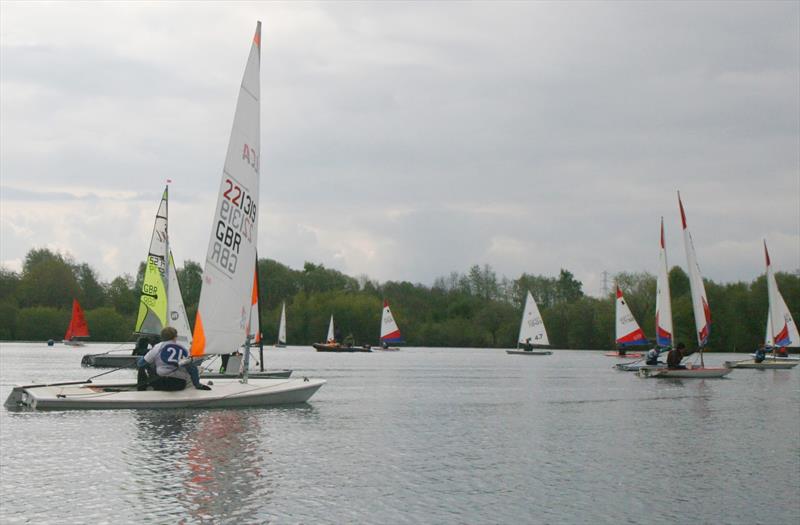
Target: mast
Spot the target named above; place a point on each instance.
(166, 250)
(258, 313)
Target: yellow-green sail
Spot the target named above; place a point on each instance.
(153, 299)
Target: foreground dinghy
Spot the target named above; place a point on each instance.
(121, 394)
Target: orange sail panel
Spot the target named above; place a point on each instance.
(77, 324)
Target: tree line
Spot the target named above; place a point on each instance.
(473, 309)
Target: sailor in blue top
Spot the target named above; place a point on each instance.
(166, 365)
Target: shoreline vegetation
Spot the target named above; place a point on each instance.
(475, 309)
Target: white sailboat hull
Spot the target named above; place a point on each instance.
(766, 364)
(123, 395)
(529, 352)
(684, 373)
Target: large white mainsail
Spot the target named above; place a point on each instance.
(225, 298)
(781, 328)
(702, 313)
(282, 326)
(663, 305)
(531, 328)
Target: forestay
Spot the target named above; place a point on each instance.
(225, 299)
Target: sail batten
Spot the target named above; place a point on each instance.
(224, 310)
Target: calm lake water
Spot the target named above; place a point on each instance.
(417, 436)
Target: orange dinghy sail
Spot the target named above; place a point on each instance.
(77, 326)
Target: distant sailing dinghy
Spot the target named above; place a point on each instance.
(390, 333)
(628, 331)
(702, 316)
(281, 342)
(780, 334)
(332, 345)
(532, 334)
(77, 326)
(160, 299)
(222, 323)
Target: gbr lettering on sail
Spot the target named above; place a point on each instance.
(236, 217)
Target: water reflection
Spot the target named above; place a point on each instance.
(211, 461)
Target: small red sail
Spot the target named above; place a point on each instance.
(77, 325)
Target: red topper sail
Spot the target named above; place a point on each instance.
(77, 325)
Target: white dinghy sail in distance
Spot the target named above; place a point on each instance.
(281, 343)
(779, 334)
(225, 299)
(532, 333)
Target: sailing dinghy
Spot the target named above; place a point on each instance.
(223, 316)
(663, 311)
(390, 333)
(160, 299)
(702, 317)
(532, 334)
(281, 342)
(780, 334)
(77, 327)
(627, 329)
(332, 345)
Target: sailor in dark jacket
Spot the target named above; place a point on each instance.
(675, 356)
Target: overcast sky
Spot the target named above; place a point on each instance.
(408, 140)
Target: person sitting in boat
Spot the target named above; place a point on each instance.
(760, 355)
(166, 358)
(621, 352)
(675, 356)
(384, 345)
(652, 357)
(349, 341)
